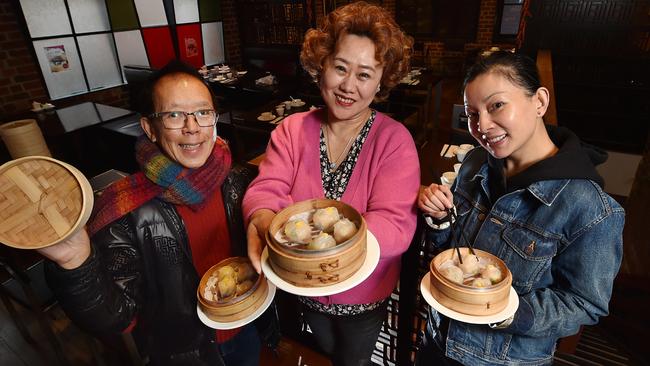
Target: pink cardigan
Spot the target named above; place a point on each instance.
(383, 187)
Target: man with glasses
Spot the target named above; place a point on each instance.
(153, 235)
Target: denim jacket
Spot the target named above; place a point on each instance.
(562, 241)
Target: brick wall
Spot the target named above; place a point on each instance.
(232, 43)
(446, 61)
(434, 54)
(20, 81)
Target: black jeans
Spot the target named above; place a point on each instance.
(348, 340)
(243, 350)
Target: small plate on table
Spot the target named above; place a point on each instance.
(266, 119)
(44, 107)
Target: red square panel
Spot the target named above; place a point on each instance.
(190, 45)
(159, 46)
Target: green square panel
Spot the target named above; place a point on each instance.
(123, 15)
(210, 10)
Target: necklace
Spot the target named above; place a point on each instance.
(333, 165)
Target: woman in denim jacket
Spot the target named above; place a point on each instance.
(531, 196)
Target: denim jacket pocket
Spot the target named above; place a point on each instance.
(528, 256)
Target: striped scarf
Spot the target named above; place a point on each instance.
(163, 178)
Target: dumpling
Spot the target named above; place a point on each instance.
(447, 263)
(225, 271)
(470, 265)
(452, 273)
(344, 229)
(324, 218)
(244, 286)
(298, 231)
(227, 287)
(481, 282)
(322, 241)
(210, 288)
(244, 272)
(492, 273)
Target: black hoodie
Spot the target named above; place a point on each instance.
(574, 160)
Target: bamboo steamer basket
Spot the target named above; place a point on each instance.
(235, 307)
(467, 299)
(24, 138)
(316, 268)
(43, 201)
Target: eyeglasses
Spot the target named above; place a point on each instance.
(175, 120)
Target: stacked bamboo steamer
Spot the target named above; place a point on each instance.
(24, 138)
(316, 268)
(43, 201)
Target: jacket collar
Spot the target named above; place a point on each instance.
(546, 191)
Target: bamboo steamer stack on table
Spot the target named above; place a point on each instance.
(42, 202)
(24, 138)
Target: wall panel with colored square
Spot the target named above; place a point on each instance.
(81, 45)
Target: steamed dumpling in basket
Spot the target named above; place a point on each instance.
(324, 218)
(298, 231)
(344, 229)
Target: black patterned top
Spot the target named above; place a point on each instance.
(334, 184)
(335, 181)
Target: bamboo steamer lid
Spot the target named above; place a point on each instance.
(42, 202)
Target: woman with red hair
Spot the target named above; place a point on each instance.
(349, 152)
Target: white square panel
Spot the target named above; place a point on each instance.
(130, 48)
(213, 52)
(151, 12)
(186, 11)
(100, 61)
(89, 16)
(46, 18)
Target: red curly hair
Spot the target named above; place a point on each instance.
(393, 47)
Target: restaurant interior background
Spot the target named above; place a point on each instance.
(595, 53)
